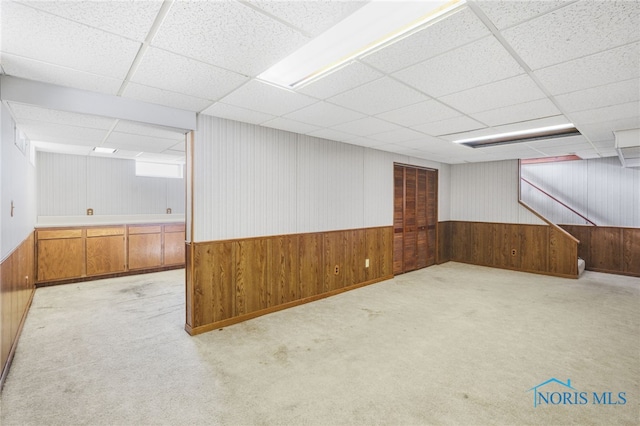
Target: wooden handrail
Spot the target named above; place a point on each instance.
(558, 201)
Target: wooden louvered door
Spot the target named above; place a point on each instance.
(415, 218)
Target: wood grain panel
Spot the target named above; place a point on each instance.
(56, 234)
(444, 242)
(251, 263)
(534, 248)
(60, 258)
(105, 254)
(506, 240)
(213, 283)
(379, 243)
(284, 282)
(410, 220)
(581, 233)
(462, 247)
(311, 264)
(174, 248)
(175, 228)
(145, 229)
(356, 248)
(563, 254)
(398, 252)
(605, 248)
(334, 258)
(631, 251)
(103, 232)
(482, 243)
(144, 250)
(432, 216)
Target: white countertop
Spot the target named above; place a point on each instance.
(102, 220)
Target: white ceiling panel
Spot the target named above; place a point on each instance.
(332, 134)
(601, 96)
(512, 91)
(165, 97)
(367, 126)
(268, 99)
(232, 112)
(324, 114)
(312, 17)
(166, 70)
(134, 128)
(517, 150)
(378, 96)
(420, 113)
(33, 113)
(622, 63)
(346, 78)
(48, 73)
(164, 156)
(566, 142)
(531, 124)
(515, 113)
(83, 48)
(607, 114)
(506, 13)
(52, 132)
(132, 142)
(395, 136)
(481, 62)
(290, 125)
(565, 36)
(179, 147)
(131, 19)
(456, 30)
(449, 126)
(604, 130)
(366, 142)
(62, 148)
(227, 34)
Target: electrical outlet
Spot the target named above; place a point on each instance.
(513, 252)
(89, 212)
(366, 263)
(336, 271)
(169, 210)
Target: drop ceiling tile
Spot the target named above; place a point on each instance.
(622, 63)
(136, 128)
(179, 147)
(512, 91)
(48, 73)
(290, 125)
(84, 48)
(426, 143)
(574, 31)
(478, 63)
(29, 112)
(515, 113)
(52, 132)
(604, 131)
(128, 19)
(587, 154)
(268, 99)
(366, 142)
(349, 77)
(470, 134)
(506, 13)
(607, 114)
(510, 151)
(601, 96)
(367, 126)
(456, 30)
(62, 148)
(130, 142)
(311, 17)
(324, 114)
(532, 124)
(164, 97)
(449, 126)
(396, 136)
(232, 112)
(120, 153)
(378, 96)
(166, 70)
(420, 113)
(227, 34)
(565, 143)
(163, 156)
(332, 134)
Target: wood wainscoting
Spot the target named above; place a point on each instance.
(614, 250)
(236, 280)
(16, 292)
(539, 249)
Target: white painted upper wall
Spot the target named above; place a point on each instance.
(600, 189)
(257, 181)
(488, 192)
(17, 185)
(70, 184)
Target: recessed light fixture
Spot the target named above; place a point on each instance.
(377, 24)
(549, 132)
(102, 150)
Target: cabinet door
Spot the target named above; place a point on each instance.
(60, 255)
(174, 248)
(105, 254)
(145, 249)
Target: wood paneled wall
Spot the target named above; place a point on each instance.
(528, 248)
(16, 292)
(235, 280)
(608, 249)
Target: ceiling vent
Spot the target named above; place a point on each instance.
(628, 147)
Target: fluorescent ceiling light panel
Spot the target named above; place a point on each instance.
(376, 24)
(549, 132)
(101, 150)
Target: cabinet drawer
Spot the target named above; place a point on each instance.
(56, 234)
(104, 232)
(154, 229)
(174, 228)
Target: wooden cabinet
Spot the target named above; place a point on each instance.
(67, 254)
(60, 254)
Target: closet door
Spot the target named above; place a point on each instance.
(431, 216)
(422, 247)
(410, 220)
(398, 219)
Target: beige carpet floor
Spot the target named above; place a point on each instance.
(450, 344)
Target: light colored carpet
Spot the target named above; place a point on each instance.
(450, 344)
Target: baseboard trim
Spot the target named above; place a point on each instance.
(14, 345)
(103, 276)
(552, 274)
(230, 321)
(615, 272)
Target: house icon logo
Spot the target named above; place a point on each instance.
(553, 397)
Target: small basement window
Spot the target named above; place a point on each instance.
(167, 170)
